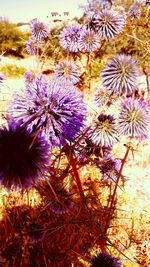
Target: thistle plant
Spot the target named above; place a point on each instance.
(59, 148)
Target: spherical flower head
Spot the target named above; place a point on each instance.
(69, 37)
(134, 11)
(29, 77)
(104, 131)
(134, 119)
(23, 156)
(109, 169)
(57, 112)
(120, 75)
(108, 23)
(61, 207)
(88, 41)
(67, 72)
(105, 260)
(101, 97)
(39, 30)
(34, 47)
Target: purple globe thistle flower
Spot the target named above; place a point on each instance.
(34, 47)
(39, 30)
(101, 97)
(88, 41)
(29, 77)
(134, 11)
(57, 112)
(105, 260)
(120, 75)
(66, 71)
(104, 131)
(109, 169)
(133, 120)
(69, 37)
(108, 23)
(23, 156)
(61, 207)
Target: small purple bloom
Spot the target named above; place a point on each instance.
(61, 207)
(39, 30)
(120, 75)
(57, 112)
(2, 78)
(105, 260)
(134, 11)
(108, 23)
(23, 156)
(69, 37)
(104, 131)
(88, 41)
(109, 169)
(29, 77)
(101, 97)
(134, 118)
(34, 47)
(66, 71)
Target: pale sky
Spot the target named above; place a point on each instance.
(25, 10)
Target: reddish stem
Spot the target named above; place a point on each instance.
(76, 174)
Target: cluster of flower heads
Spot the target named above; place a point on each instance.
(108, 23)
(105, 259)
(120, 75)
(57, 113)
(40, 32)
(77, 37)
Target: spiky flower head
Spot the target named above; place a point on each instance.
(134, 119)
(105, 260)
(101, 97)
(120, 75)
(58, 112)
(39, 30)
(66, 71)
(108, 23)
(23, 156)
(29, 77)
(134, 11)
(69, 37)
(109, 169)
(34, 47)
(104, 131)
(88, 41)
